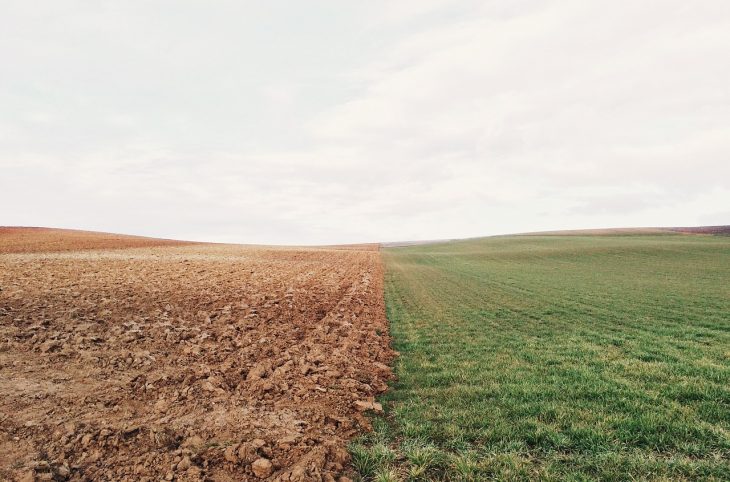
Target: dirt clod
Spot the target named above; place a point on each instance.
(262, 468)
(365, 405)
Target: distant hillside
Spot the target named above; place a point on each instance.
(717, 230)
(15, 239)
(723, 230)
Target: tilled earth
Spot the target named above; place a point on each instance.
(188, 362)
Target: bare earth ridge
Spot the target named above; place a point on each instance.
(711, 230)
(185, 361)
(34, 240)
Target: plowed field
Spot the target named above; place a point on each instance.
(185, 362)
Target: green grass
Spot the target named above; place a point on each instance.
(557, 358)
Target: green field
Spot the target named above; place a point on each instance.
(557, 358)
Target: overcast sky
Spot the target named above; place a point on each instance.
(295, 122)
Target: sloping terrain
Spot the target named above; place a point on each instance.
(33, 240)
(721, 230)
(191, 362)
(716, 230)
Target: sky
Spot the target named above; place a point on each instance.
(323, 122)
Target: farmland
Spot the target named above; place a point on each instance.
(573, 356)
(557, 358)
(127, 358)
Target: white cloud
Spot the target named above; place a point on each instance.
(343, 122)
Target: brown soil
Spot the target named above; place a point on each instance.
(192, 362)
(34, 240)
(718, 230)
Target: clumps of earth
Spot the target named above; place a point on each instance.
(188, 362)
